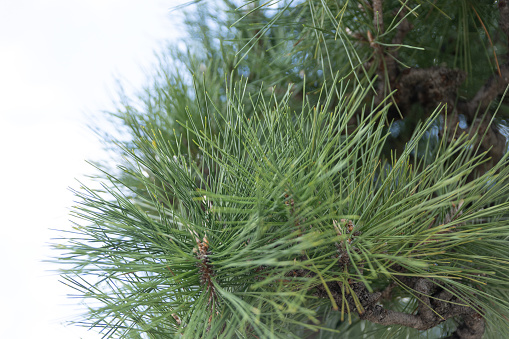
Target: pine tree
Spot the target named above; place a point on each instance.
(308, 169)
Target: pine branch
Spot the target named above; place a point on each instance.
(276, 205)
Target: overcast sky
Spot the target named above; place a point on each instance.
(58, 64)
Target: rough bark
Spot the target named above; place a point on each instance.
(436, 305)
(438, 86)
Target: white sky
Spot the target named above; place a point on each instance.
(58, 63)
